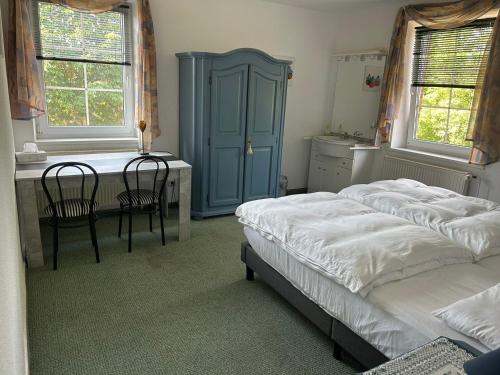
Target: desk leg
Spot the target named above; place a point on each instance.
(184, 204)
(30, 226)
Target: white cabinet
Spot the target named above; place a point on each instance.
(333, 174)
(339, 179)
(315, 172)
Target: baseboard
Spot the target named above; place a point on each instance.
(296, 191)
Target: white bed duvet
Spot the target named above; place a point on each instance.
(471, 222)
(348, 242)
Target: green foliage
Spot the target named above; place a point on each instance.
(73, 88)
(432, 124)
(105, 76)
(105, 108)
(462, 98)
(78, 35)
(458, 126)
(66, 107)
(444, 115)
(63, 74)
(435, 97)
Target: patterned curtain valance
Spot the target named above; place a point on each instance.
(449, 15)
(91, 6)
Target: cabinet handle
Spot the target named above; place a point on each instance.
(249, 148)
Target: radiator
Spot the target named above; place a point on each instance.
(428, 174)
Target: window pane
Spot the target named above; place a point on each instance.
(104, 76)
(66, 107)
(63, 74)
(457, 129)
(103, 36)
(435, 96)
(60, 30)
(70, 34)
(451, 57)
(462, 98)
(432, 124)
(106, 108)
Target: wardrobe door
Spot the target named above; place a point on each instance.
(227, 135)
(263, 131)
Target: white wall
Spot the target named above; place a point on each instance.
(13, 331)
(371, 27)
(223, 25)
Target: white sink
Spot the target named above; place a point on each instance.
(336, 140)
(334, 146)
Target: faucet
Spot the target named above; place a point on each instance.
(357, 134)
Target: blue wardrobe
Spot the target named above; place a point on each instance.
(231, 116)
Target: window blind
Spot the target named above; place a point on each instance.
(450, 58)
(62, 33)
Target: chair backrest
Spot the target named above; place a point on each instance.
(81, 167)
(157, 187)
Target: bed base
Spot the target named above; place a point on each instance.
(344, 340)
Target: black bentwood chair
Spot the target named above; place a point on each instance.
(143, 200)
(68, 213)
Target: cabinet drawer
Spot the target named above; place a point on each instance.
(315, 155)
(344, 163)
(342, 178)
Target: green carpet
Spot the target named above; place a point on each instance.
(183, 309)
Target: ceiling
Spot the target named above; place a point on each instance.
(326, 5)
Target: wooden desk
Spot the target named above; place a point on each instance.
(109, 166)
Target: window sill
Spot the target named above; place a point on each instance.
(433, 157)
(88, 144)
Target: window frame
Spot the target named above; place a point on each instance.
(45, 132)
(412, 143)
(428, 146)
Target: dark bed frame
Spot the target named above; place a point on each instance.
(344, 340)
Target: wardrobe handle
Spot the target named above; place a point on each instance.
(249, 148)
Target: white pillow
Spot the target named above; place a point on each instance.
(477, 316)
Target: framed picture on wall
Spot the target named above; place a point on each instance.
(372, 79)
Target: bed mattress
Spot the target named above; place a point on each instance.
(395, 317)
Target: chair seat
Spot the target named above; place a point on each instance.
(139, 197)
(74, 208)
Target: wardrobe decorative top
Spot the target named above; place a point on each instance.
(233, 52)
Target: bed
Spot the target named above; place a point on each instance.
(383, 316)
(470, 221)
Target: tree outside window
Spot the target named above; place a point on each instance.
(84, 57)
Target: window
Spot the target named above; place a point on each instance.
(87, 67)
(446, 65)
